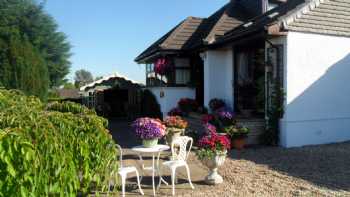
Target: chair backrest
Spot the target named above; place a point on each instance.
(120, 155)
(179, 148)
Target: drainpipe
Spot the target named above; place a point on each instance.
(269, 72)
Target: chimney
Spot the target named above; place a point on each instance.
(255, 7)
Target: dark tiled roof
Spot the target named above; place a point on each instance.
(193, 32)
(226, 19)
(182, 37)
(260, 22)
(234, 21)
(314, 16)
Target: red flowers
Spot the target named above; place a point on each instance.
(207, 118)
(213, 141)
(187, 105)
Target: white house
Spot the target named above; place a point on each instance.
(248, 50)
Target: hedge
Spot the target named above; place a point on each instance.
(59, 149)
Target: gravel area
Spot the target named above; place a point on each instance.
(271, 171)
(308, 171)
(262, 171)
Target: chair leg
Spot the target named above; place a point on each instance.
(138, 182)
(173, 177)
(123, 177)
(160, 175)
(189, 176)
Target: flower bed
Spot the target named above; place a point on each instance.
(223, 119)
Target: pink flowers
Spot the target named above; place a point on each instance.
(211, 129)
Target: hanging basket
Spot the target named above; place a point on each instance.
(163, 66)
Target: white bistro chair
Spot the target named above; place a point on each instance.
(123, 171)
(179, 156)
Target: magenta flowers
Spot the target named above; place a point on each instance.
(163, 66)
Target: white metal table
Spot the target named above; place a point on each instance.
(155, 165)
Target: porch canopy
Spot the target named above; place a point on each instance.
(111, 81)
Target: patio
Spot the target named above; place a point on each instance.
(260, 171)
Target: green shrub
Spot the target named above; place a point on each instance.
(57, 150)
(70, 107)
(150, 106)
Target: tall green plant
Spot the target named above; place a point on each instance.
(57, 150)
(31, 45)
(274, 113)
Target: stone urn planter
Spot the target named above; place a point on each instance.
(172, 134)
(213, 164)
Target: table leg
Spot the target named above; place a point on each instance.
(153, 170)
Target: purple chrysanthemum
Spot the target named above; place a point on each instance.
(148, 128)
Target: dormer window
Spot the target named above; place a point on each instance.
(271, 6)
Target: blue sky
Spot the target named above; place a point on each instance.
(107, 35)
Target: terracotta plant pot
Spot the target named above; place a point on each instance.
(238, 143)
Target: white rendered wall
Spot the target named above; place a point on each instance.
(218, 76)
(171, 96)
(317, 90)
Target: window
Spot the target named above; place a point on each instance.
(180, 76)
(182, 71)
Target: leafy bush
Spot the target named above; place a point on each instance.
(150, 106)
(56, 150)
